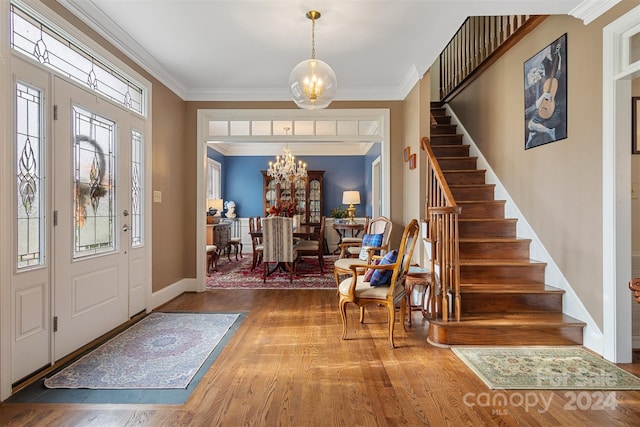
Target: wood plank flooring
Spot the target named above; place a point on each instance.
(287, 366)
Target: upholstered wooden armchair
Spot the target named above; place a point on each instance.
(386, 284)
(277, 242)
(377, 226)
(313, 247)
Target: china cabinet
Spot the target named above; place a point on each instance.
(307, 194)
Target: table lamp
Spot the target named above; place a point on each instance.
(214, 206)
(351, 198)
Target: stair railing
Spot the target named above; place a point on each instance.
(479, 42)
(442, 213)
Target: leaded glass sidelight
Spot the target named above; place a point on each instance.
(137, 189)
(29, 177)
(94, 161)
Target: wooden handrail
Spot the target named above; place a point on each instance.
(442, 214)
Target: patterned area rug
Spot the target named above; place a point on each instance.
(545, 368)
(238, 275)
(163, 350)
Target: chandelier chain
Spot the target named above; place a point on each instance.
(313, 38)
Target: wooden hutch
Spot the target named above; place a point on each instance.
(307, 193)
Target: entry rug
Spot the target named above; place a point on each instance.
(545, 368)
(238, 275)
(162, 351)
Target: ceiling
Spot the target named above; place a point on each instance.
(244, 50)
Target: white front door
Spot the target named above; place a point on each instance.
(92, 198)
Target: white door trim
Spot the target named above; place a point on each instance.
(616, 184)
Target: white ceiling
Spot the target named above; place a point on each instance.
(244, 50)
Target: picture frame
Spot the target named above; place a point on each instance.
(407, 153)
(635, 125)
(545, 95)
(412, 161)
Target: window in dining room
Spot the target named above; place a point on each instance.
(214, 172)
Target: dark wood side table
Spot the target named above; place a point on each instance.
(341, 229)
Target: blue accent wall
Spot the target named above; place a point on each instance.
(242, 180)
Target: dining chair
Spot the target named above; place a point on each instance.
(385, 286)
(357, 240)
(313, 247)
(378, 226)
(277, 242)
(256, 242)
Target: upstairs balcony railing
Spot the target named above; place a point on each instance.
(478, 43)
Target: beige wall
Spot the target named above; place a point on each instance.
(557, 186)
(416, 125)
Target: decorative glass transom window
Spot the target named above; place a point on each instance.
(31, 37)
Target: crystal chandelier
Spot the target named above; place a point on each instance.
(285, 170)
(312, 82)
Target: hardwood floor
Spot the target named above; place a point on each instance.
(286, 365)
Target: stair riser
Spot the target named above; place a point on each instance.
(478, 302)
(506, 335)
(446, 140)
(438, 111)
(442, 129)
(529, 273)
(518, 249)
(442, 120)
(466, 163)
(482, 210)
(478, 229)
(464, 177)
(450, 150)
(476, 192)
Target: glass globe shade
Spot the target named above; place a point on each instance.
(313, 84)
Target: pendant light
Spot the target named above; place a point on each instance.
(312, 82)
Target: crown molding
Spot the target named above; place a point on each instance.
(98, 21)
(227, 148)
(589, 10)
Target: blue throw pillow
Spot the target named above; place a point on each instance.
(382, 277)
(369, 241)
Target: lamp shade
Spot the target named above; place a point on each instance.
(351, 197)
(313, 84)
(216, 204)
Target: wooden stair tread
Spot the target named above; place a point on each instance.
(501, 261)
(487, 219)
(493, 239)
(512, 320)
(508, 288)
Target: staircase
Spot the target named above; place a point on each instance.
(504, 298)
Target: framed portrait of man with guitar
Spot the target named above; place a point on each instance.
(545, 95)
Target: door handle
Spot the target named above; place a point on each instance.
(125, 228)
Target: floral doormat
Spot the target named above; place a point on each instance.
(237, 274)
(162, 351)
(545, 368)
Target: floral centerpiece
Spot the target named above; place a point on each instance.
(338, 213)
(284, 208)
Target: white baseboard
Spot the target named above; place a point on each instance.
(169, 292)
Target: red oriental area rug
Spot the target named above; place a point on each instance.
(238, 275)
